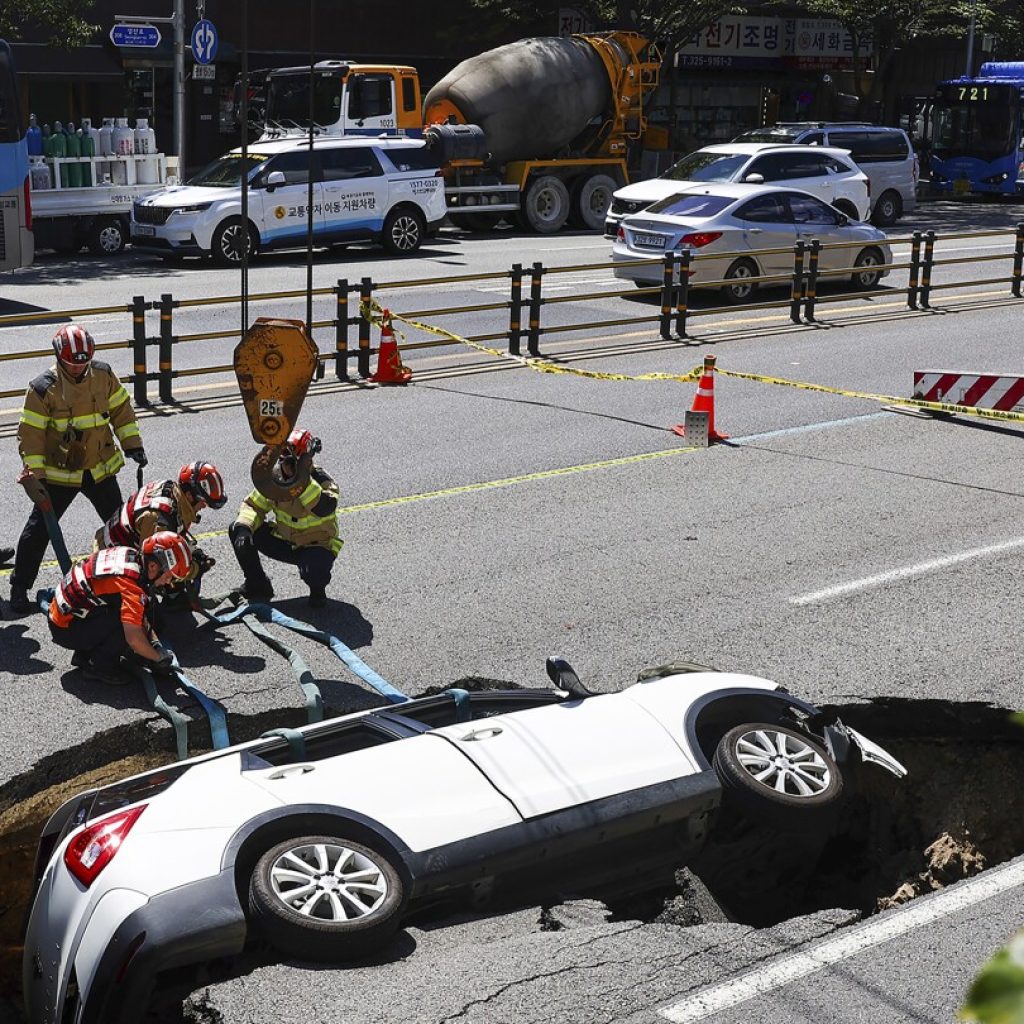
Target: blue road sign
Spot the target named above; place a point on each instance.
(204, 41)
(135, 35)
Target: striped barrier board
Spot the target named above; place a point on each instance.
(1004, 392)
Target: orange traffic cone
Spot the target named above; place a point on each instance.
(389, 363)
(704, 401)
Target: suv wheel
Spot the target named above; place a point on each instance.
(887, 210)
(325, 897)
(229, 242)
(404, 229)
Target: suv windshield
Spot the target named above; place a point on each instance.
(705, 166)
(227, 171)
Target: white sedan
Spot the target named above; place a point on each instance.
(739, 220)
(319, 840)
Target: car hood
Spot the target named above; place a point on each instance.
(187, 195)
(657, 188)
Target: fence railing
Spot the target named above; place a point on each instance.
(520, 314)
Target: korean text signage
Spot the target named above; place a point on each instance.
(743, 41)
(135, 35)
(572, 21)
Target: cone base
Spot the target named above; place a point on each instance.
(713, 435)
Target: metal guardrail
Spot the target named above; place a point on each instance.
(525, 304)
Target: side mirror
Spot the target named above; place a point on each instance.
(563, 675)
(754, 179)
(275, 178)
(843, 220)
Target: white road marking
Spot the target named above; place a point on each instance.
(907, 572)
(777, 974)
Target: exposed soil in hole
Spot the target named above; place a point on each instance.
(958, 812)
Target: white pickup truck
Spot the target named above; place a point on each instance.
(97, 216)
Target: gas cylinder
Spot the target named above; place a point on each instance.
(88, 150)
(72, 173)
(147, 169)
(34, 137)
(105, 147)
(124, 146)
(39, 173)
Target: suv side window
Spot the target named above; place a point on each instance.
(770, 209)
(412, 158)
(858, 143)
(294, 167)
(808, 210)
(890, 146)
(344, 164)
(783, 166)
(836, 166)
(814, 139)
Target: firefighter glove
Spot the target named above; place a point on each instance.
(163, 666)
(139, 456)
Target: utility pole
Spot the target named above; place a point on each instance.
(179, 85)
(969, 70)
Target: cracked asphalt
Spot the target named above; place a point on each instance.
(647, 555)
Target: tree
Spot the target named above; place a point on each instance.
(64, 20)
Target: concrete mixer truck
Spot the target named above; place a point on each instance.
(542, 129)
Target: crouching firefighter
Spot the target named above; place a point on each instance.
(100, 608)
(173, 505)
(302, 531)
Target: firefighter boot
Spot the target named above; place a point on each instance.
(20, 604)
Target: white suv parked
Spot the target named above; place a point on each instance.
(829, 174)
(387, 190)
(884, 154)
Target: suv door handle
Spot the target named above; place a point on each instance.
(483, 734)
(755, 231)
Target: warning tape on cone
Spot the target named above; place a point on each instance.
(373, 313)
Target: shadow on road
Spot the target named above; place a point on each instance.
(20, 650)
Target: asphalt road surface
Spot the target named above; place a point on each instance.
(495, 515)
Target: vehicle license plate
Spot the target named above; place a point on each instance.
(645, 241)
(144, 230)
(961, 186)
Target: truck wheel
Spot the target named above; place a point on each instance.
(107, 236)
(229, 242)
(403, 231)
(545, 207)
(591, 198)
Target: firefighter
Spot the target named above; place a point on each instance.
(100, 608)
(66, 440)
(302, 532)
(173, 505)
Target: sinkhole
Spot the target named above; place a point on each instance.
(958, 812)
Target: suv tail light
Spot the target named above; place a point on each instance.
(698, 239)
(621, 234)
(94, 848)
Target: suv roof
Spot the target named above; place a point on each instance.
(753, 148)
(290, 142)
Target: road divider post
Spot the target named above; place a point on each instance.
(536, 301)
(365, 302)
(1018, 261)
(341, 330)
(515, 310)
(683, 292)
(926, 270)
(166, 349)
(797, 292)
(811, 280)
(140, 376)
(915, 269)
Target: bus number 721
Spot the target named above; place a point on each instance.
(973, 92)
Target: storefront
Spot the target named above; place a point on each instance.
(744, 71)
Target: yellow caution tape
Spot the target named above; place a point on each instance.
(913, 403)
(372, 312)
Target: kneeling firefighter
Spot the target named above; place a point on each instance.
(302, 532)
(100, 608)
(173, 505)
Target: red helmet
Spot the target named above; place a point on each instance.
(202, 481)
(301, 441)
(73, 344)
(170, 551)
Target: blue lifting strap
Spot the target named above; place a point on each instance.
(213, 708)
(177, 720)
(461, 697)
(295, 740)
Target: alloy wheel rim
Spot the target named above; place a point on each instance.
(742, 288)
(784, 763)
(231, 243)
(867, 277)
(110, 239)
(328, 882)
(405, 233)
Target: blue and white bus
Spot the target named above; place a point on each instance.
(976, 143)
(16, 245)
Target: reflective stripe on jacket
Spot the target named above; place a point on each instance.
(67, 426)
(111, 577)
(309, 519)
(161, 505)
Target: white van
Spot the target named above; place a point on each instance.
(388, 190)
(884, 154)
